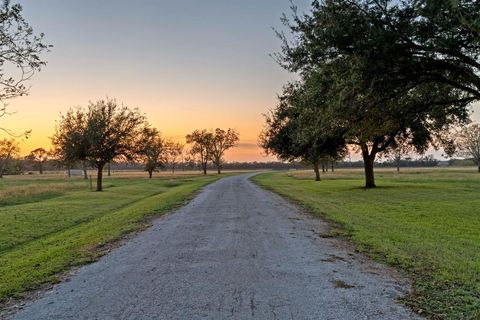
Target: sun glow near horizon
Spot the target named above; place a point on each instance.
(29, 114)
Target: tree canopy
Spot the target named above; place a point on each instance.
(69, 141)
(99, 133)
(395, 71)
(151, 149)
(8, 149)
(201, 146)
(20, 54)
(468, 143)
(39, 155)
(294, 130)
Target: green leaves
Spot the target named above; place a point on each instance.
(20, 50)
(382, 71)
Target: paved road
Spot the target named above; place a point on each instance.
(234, 252)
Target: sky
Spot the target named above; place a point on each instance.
(187, 64)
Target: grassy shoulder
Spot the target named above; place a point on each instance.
(426, 222)
(48, 225)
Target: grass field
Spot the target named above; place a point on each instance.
(49, 224)
(423, 221)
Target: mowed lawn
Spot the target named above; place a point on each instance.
(49, 224)
(424, 221)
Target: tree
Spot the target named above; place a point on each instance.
(294, 130)
(396, 70)
(20, 51)
(201, 141)
(399, 151)
(111, 133)
(221, 142)
(398, 154)
(40, 156)
(151, 149)
(469, 143)
(189, 160)
(69, 140)
(8, 149)
(173, 152)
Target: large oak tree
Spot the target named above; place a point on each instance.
(397, 70)
(111, 133)
(99, 133)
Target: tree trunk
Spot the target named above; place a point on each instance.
(150, 173)
(40, 168)
(4, 163)
(69, 173)
(317, 171)
(323, 168)
(108, 168)
(84, 167)
(204, 167)
(398, 167)
(333, 167)
(479, 168)
(368, 160)
(99, 177)
(2, 168)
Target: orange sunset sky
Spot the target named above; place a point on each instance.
(186, 64)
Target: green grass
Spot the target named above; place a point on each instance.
(48, 225)
(425, 222)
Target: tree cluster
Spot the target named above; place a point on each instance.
(104, 132)
(376, 75)
(211, 146)
(156, 151)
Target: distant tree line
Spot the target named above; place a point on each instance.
(105, 132)
(385, 78)
(211, 146)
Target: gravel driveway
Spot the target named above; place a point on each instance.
(234, 252)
